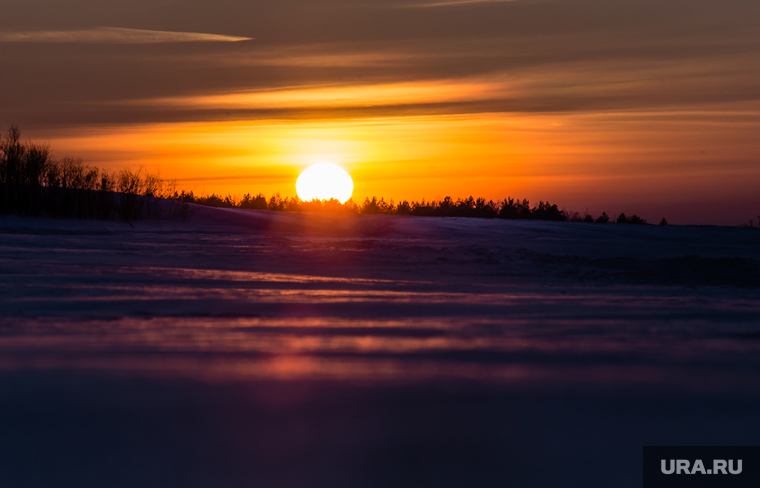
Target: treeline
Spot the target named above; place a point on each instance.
(34, 184)
(260, 202)
(508, 208)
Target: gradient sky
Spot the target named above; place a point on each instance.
(647, 107)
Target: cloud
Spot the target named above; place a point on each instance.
(115, 35)
(343, 96)
(452, 3)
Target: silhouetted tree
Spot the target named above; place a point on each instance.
(634, 219)
(484, 209)
(275, 203)
(33, 183)
(404, 208)
(375, 206)
(257, 202)
(291, 204)
(514, 209)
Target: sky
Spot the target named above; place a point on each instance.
(646, 107)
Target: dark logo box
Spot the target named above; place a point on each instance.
(701, 467)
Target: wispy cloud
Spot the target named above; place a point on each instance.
(342, 96)
(115, 35)
(452, 3)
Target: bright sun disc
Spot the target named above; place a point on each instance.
(324, 181)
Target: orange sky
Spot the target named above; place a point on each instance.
(633, 162)
(643, 107)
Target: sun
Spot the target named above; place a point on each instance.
(324, 181)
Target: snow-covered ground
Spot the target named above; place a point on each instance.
(255, 348)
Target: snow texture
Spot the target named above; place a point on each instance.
(257, 348)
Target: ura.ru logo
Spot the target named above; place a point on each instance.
(683, 466)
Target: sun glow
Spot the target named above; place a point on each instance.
(324, 181)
